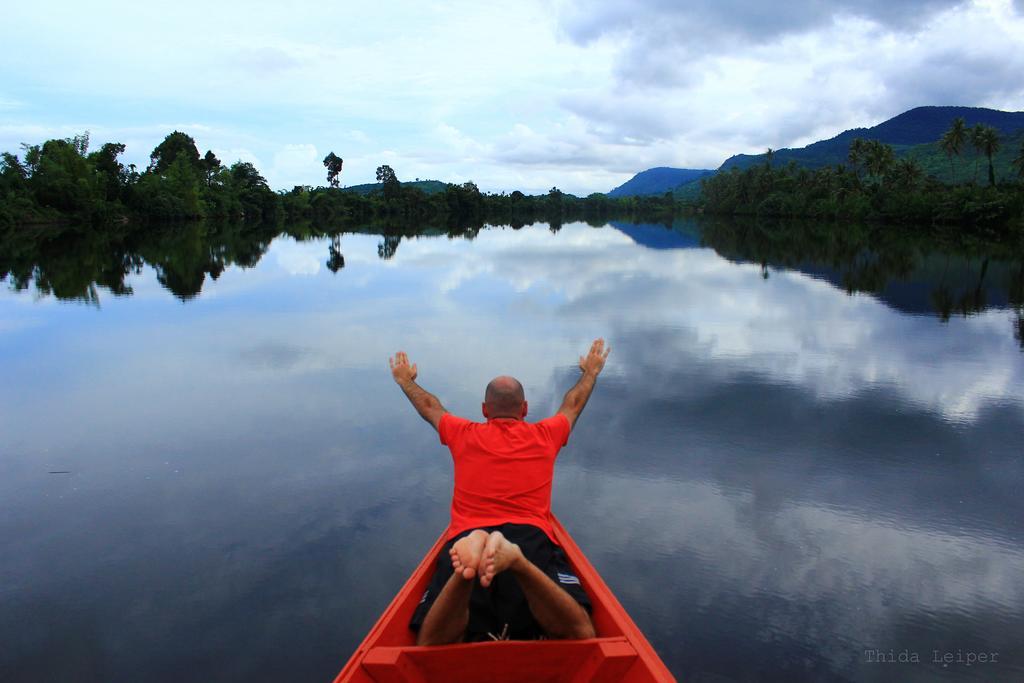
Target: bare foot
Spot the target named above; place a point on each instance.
(500, 554)
(466, 553)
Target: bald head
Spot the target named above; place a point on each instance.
(504, 397)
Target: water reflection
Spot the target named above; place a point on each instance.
(773, 475)
(912, 274)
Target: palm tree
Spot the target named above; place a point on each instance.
(857, 155)
(879, 159)
(909, 173)
(1018, 163)
(952, 142)
(977, 131)
(989, 139)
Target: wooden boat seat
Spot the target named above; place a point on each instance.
(550, 661)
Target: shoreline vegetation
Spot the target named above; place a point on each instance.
(877, 185)
(61, 182)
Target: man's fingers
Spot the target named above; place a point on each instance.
(401, 359)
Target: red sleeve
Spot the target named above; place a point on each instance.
(556, 429)
(451, 427)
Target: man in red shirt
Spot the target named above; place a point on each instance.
(500, 531)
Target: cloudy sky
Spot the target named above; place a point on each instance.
(511, 95)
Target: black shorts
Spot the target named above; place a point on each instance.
(501, 610)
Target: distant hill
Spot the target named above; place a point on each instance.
(425, 186)
(919, 126)
(657, 181)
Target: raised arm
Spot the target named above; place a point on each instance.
(425, 403)
(591, 365)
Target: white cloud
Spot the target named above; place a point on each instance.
(8, 104)
(292, 161)
(296, 258)
(513, 97)
(710, 94)
(230, 156)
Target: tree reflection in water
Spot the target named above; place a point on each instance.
(895, 267)
(922, 275)
(335, 260)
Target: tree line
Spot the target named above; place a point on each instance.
(61, 181)
(875, 184)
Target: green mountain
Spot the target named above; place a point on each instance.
(658, 180)
(425, 186)
(912, 130)
(688, 192)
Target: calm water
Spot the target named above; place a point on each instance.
(796, 453)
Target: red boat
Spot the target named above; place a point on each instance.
(620, 652)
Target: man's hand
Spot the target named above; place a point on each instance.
(593, 362)
(425, 403)
(401, 370)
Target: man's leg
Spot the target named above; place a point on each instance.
(554, 609)
(449, 615)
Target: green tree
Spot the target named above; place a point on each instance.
(182, 183)
(62, 178)
(15, 201)
(988, 138)
(952, 141)
(112, 173)
(174, 146)
(80, 143)
(1018, 162)
(211, 166)
(908, 173)
(11, 169)
(256, 198)
(879, 158)
(33, 153)
(173, 194)
(333, 164)
(857, 155)
(392, 187)
(976, 137)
